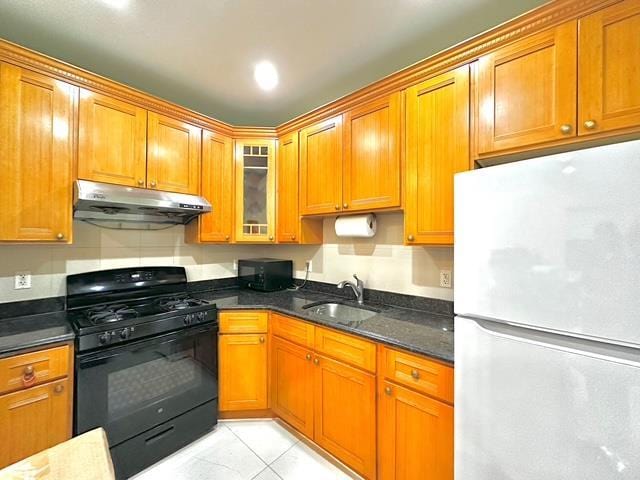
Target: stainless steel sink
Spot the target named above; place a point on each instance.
(339, 311)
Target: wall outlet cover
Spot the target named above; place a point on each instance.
(309, 265)
(445, 278)
(22, 280)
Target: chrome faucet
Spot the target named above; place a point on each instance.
(358, 288)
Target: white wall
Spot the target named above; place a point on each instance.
(383, 263)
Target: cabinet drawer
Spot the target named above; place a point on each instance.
(418, 373)
(354, 351)
(28, 369)
(293, 330)
(243, 321)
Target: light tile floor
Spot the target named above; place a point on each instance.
(245, 450)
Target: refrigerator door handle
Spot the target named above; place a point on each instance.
(603, 351)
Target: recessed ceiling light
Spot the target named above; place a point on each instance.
(266, 75)
(117, 4)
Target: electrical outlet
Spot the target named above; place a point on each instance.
(22, 280)
(235, 265)
(309, 265)
(445, 278)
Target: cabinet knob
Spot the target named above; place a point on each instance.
(293, 237)
(316, 361)
(261, 339)
(28, 370)
(337, 207)
(271, 238)
(590, 124)
(345, 205)
(153, 184)
(308, 356)
(60, 236)
(410, 238)
(140, 182)
(388, 390)
(566, 128)
(415, 374)
(58, 388)
(226, 237)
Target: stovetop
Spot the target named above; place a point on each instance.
(109, 315)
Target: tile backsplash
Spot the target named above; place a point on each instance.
(382, 262)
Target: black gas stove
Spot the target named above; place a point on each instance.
(146, 362)
(116, 306)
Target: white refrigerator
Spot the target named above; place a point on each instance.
(547, 328)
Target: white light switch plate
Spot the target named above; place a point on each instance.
(22, 280)
(445, 278)
(309, 265)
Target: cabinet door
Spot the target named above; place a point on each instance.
(36, 156)
(217, 187)
(173, 162)
(255, 190)
(437, 148)
(321, 167)
(34, 419)
(527, 91)
(415, 435)
(372, 155)
(288, 217)
(608, 73)
(345, 414)
(243, 372)
(112, 141)
(292, 385)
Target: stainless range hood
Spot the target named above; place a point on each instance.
(102, 202)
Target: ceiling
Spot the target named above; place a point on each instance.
(201, 53)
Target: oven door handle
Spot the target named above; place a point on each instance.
(86, 359)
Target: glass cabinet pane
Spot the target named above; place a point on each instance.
(255, 191)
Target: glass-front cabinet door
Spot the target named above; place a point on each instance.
(255, 190)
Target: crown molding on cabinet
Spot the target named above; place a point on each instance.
(543, 17)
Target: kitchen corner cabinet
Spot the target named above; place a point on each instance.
(255, 183)
(608, 73)
(527, 91)
(437, 138)
(37, 117)
(372, 170)
(290, 227)
(173, 156)
(243, 359)
(216, 185)
(321, 167)
(36, 402)
(112, 141)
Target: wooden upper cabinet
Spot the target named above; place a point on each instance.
(372, 155)
(112, 141)
(36, 156)
(255, 182)
(288, 216)
(173, 161)
(437, 148)
(321, 167)
(608, 72)
(415, 435)
(527, 91)
(217, 187)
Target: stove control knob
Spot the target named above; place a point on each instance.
(201, 316)
(124, 333)
(104, 338)
(188, 319)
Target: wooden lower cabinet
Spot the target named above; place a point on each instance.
(292, 385)
(345, 413)
(415, 435)
(34, 419)
(243, 372)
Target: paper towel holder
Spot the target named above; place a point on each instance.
(357, 225)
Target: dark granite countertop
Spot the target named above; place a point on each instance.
(418, 331)
(21, 333)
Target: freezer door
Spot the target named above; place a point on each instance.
(531, 406)
(553, 242)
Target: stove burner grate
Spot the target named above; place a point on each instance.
(110, 313)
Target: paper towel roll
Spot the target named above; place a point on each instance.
(356, 226)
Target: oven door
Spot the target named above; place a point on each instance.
(132, 388)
